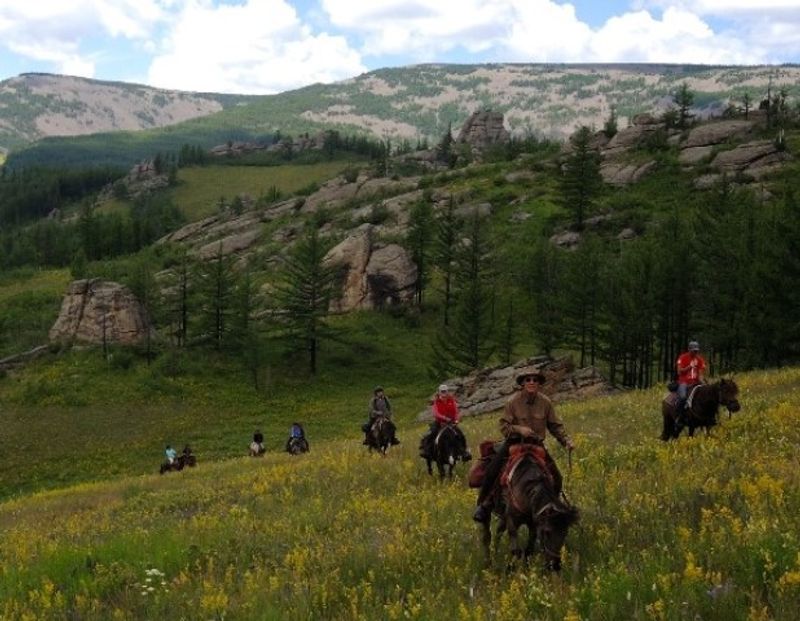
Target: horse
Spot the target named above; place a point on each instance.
(184, 460)
(449, 446)
(380, 434)
(703, 409)
(529, 499)
(257, 449)
(296, 446)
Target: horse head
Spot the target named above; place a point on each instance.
(554, 521)
(728, 395)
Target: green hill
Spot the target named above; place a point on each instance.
(422, 100)
(700, 528)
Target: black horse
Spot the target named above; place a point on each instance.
(184, 460)
(703, 410)
(528, 499)
(296, 446)
(380, 434)
(447, 447)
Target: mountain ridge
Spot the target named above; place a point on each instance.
(421, 101)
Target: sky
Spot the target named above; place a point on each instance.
(270, 46)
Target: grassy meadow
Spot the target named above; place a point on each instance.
(200, 188)
(702, 528)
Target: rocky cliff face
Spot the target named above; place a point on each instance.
(488, 390)
(483, 130)
(373, 275)
(97, 311)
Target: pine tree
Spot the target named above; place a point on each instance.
(581, 181)
(304, 293)
(419, 240)
(218, 283)
(683, 98)
(467, 343)
(447, 235)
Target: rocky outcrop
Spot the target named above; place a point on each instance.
(142, 179)
(373, 275)
(489, 389)
(299, 144)
(98, 311)
(338, 191)
(749, 157)
(694, 155)
(716, 133)
(483, 130)
(623, 173)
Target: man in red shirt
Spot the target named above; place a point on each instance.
(691, 367)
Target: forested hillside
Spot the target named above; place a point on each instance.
(548, 101)
(34, 106)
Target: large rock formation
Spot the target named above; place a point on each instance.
(483, 130)
(373, 275)
(97, 311)
(488, 390)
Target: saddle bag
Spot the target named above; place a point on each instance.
(478, 470)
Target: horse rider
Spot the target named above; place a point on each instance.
(528, 416)
(296, 432)
(691, 367)
(379, 405)
(445, 411)
(258, 442)
(171, 454)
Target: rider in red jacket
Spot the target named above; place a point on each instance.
(445, 410)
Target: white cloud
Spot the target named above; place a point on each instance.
(63, 57)
(550, 31)
(259, 46)
(423, 27)
(53, 30)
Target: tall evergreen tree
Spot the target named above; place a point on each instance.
(304, 293)
(581, 181)
(419, 240)
(683, 98)
(218, 284)
(467, 342)
(448, 227)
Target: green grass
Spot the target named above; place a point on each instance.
(693, 529)
(200, 188)
(111, 421)
(29, 303)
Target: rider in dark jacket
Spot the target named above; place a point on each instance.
(379, 405)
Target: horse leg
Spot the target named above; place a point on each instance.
(530, 548)
(513, 537)
(486, 540)
(440, 466)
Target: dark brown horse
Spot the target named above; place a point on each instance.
(703, 409)
(380, 434)
(184, 460)
(528, 499)
(448, 447)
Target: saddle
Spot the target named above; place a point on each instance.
(478, 471)
(517, 453)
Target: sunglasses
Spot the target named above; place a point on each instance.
(531, 380)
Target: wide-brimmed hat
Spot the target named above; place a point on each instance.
(535, 373)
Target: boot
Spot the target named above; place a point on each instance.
(466, 455)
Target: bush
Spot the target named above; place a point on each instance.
(120, 359)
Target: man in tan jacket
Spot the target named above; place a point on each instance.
(528, 416)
